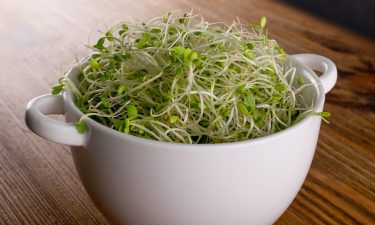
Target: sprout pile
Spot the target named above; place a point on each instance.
(182, 79)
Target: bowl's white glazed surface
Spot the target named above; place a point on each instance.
(136, 181)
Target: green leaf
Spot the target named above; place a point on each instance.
(276, 98)
(198, 63)
(280, 87)
(225, 112)
(280, 50)
(140, 73)
(200, 105)
(132, 111)
(183, 20)
(104, 101)
(172, 30)
(94, 64)
(155, 30)
(121, 57)
(179, 50)
(268, 71)
(325, 114)
(95, 56)
(140, 43)
(242, 109)
(300, 81)
(255, 26)
(187, 53)
(143, 40)
(109, 36)
(121, 32)
(81, 128)
(126, 56)
(255, 115)
(259, 123)
(263, 21)
(240, 88)
(173, 119)
(57, 89)
(146, 36)
(121, 89)
(118, 58)
(166, 16)
(119, 124)
(249, 46)
(250, 100)
(178, 73)
(219, 30)
(106, 76)
(100, 42)
(250, 55)
(127, 126)
(194, 105)
(124, 27)
(193, 56)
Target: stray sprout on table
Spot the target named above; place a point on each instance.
(182, 79)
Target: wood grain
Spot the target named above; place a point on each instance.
(38, 39)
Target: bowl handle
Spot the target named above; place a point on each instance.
(321, 64)
(53, 130)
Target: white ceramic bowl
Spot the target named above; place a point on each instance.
(135, 181)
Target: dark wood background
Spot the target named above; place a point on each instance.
(38, 39)
(354, 15)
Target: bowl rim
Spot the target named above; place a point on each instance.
(311, 75)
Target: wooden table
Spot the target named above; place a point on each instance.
(38, 39)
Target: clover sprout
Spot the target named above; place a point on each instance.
(183, 79)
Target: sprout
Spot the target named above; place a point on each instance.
(263, 21)
(81, 128)
(132, 111)
(242, 109)
(58, 88)
(173, 119)
(182, 79)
